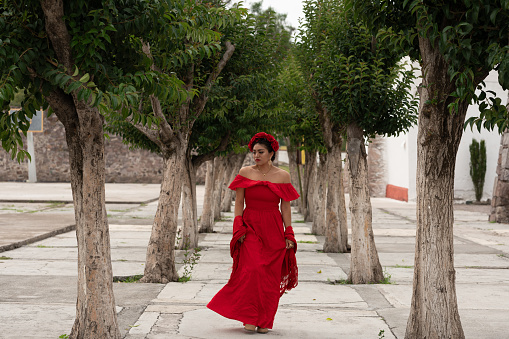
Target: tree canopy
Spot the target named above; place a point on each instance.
(472, 36)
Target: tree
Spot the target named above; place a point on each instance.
(78, 59)
(298, 122)
(196, 56)
(308, 47)
(361, 83)
(241, 102)
(457, 45)
(478, 166)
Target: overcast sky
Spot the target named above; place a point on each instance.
(293, 8)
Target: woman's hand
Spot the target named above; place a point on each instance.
(241, 239)
(289, 244)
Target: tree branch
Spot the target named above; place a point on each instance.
(166, 130)
(204, 95)
(184, 108)
(57, 31)
(200, 159)
(149, 133)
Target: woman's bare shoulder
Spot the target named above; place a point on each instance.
(283, 176)
(246, 171)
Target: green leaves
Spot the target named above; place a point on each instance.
(355, 75)
(472, 38)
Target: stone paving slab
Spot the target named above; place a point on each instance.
(115, 193)
(470, 296)
(35, 321)
(43, 274)
(17, 229)
(289, 323)
(474, 322)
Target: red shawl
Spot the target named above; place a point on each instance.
(239, 229)
(289, 271)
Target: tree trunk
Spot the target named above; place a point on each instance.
(500, 201)
(235, 164)
(207, 216)
(320, 200)
(336, 226)
(434, 309)
(310, 184)
(160, 264)
(96, 316)
(189, 233)
(303, 208)
(365, 266)
(336, 232)
(292, 164)
(219, 179)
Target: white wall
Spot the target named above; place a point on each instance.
(396, 160)
(463, 187)
(401, 155)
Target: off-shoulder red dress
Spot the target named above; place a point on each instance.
(263, 269)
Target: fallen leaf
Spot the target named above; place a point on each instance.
(329, 319)
(319, 271)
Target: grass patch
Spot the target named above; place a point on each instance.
(54, 204)
(122, 260)
(299, 222)
(403, 266)
(128, 279)
(386, 280)
(5, 258)
(184, 279)
(339, 282)
(502, 256)
(42, 246)
(307, 242)
(12, 209)
(319, 251)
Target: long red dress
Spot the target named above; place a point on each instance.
(258, 279)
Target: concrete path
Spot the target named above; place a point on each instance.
(38, 294)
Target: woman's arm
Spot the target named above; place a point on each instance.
(239, 201)
(239, 206)
(286, 212)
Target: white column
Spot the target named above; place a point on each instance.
(32, 173)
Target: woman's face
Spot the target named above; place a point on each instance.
(261, 154)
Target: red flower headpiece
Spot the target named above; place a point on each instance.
(268, 137)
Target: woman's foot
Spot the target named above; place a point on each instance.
(262, 330)
(250, 328)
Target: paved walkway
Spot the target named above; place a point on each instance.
(38, 294)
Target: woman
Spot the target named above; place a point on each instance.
(263, 244)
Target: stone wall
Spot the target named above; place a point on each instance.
(500, 201)
(376, 168)
(52, 159)
(11, 170)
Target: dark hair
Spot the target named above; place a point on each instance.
(267, 145)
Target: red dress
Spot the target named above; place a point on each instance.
(261, 274)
